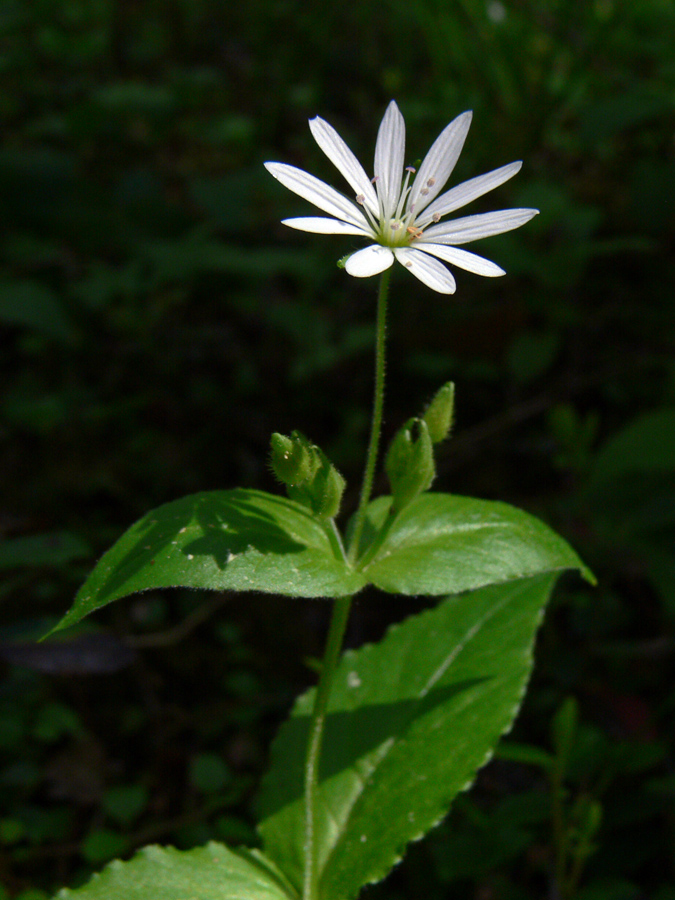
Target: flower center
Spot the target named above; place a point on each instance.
(394, 233)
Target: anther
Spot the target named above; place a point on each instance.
(436, 217)
(424, 192)
(431, 182)
(410, 169)
(361, 199)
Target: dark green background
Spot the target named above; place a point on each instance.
(159, 323)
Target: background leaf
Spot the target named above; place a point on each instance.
(221, 540)
(444, 544)
(206, 873)
(647, 444)
(410, 721)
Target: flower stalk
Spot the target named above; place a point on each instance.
(376, 423)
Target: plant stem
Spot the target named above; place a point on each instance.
(335, 538)
(341, 609)
(376, 424)
(333, 646)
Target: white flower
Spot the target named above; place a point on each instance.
(402, 218)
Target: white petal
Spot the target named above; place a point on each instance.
(466, 192)
(369, 261)
(344, 160)
(473, 228)
(428, 270)
(319, 225)
(317, 192)
(462, 258)
(389, 152)
(439, 162)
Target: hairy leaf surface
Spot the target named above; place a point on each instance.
(206, 873)
(443, 544)
(244, 540)
(238, 540)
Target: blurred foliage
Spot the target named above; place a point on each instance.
(160, 324)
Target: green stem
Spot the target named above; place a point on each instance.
(376, 424)
(341, 609)
(378, 540)
(330, 659)
(335, 538)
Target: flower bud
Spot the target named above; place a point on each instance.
(291, 458)
(410, 462)
(440, 413)
(327, 489)
(309, 476)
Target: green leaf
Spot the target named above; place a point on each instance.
(236, 540)
(647, 444)
(443, 544)
(244, 540)
(125, 803)
(206, 873)
(54, 548)
(409, 723)
(209, 773)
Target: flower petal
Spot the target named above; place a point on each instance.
(428, 270)
(369, 261)
(439, 163)
(466, 192)
(319, 225)
(317, 192)
(344, 160)
(471, 262)
(473, 228)
(389, 152)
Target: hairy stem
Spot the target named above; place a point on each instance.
(341, 611)
(376, 424)
(333, 646)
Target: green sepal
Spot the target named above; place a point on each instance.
(291, 458)
(439, 415)
(309, 476)
(409, 463)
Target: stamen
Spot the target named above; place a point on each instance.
(405, 190)
(431, 182)
(374, 179)
(360, 199)
(424, 192)
(411, 169)
(436, 217)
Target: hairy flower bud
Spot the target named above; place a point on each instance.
(439, 414)
(327, 489)
(410, 462)
(309, 476)
(291, 458)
